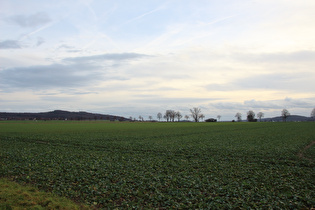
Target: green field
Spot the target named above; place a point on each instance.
(164, 165)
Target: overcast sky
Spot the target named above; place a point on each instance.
(136, 57)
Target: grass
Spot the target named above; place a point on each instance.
(16, 196)
(164, 165)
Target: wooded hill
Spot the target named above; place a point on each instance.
(290, 118)
(59, 115)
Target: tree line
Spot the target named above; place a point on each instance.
(250, 115)
(196, 115)
(171, 115)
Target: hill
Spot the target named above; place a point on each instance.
(291, 118)
(59, 115)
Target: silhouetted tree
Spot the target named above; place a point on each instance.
(251, 116)
(150, 118)
(195, 113)
(219, 117)
(285, 114)
(238, 116)
(313, 113)
(173, 115)
(187, 117)
(178, 115)
(260, 115)
(169, 115)
(159, 116)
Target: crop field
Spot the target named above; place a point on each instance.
(164, 165)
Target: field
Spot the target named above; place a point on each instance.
(164, 165)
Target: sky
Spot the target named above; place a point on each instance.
(137, 58)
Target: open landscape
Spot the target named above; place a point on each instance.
(157, 104)
(163, 165)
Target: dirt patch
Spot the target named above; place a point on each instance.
(301, 153)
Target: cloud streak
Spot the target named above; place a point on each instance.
(106, 57)
(218, 20)
(143, 15)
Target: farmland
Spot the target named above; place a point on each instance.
(164, 165)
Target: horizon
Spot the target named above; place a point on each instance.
(140, 58)
(155, 118)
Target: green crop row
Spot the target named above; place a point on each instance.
(164, 165)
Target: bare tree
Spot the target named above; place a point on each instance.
(166, 117)
(178, 115)
(260, 115)
(313, 113)
(196, 113)
(150, 118)
(219, 117)
(238, 116)
(140, 118)
(173, 115)
(187, 117)
(169, 115)
(202, 116)
(285, 114)
(251, 116)
(159, 116)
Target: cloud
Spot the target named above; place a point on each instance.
(294, 82)
(77, 72)
(280, 57)
(49, 76)
(68, 48)
(253, 104)
(103, 57)
(10, 44)
(65, 46)
(143, 15)
(54, 76)
(169, 101)
(264, 105)
(301, 103)
(34, 20)
(37, 30)
(60, 98)
(40, 41)
(218, 20)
